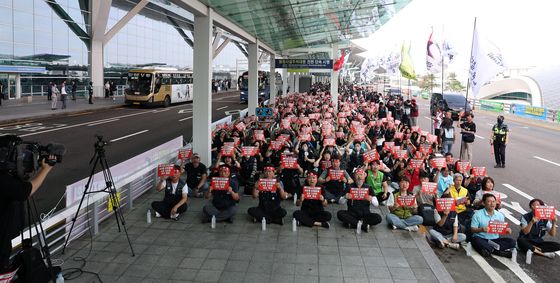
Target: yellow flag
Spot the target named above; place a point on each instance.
(406, 67)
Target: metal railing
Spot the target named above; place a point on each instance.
(41, 90)
(537, 113)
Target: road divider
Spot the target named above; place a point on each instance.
(128, 136)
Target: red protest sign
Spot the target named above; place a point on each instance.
(400, 153)
(424, 133)
(408, 200)
(315, 116)
(312, 192)
(289, 163)
(232, 144)
(336, 174)
(342, 121)
(304, 137)
(399, 135)
(325, 164)
(339, 135)
(545, 212)
(327, 115)
(283, 138)
(249, 150)
(359, 137)
(165, 170)
(431, 138)
(359, 193)
(304, 120)
(184, 153)
(305, 130)
(438, 162)
(276, 145)
(236, 141)
(419, 155)
(445, 203)
(417, 163)
(267, 185)
(497, 227)
(258, 135)
(429, 188)
(388, 145)
(449, 160)
(220, 184)
(371, 155)
(416, 129)
(426, 148)
(240, 126)
(329, 142)
(479, 171)
(285, 124)
(227, 150)
(463, 166)
(327, 130)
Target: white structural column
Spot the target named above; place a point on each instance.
(334, 77)
(284, 81)
(253, 89)
(296, 82)
(272, 80)
(202, 76)
(99, 17)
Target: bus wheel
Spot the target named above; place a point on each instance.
(167, 101)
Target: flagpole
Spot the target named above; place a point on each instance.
(442, 61)
(468, 85)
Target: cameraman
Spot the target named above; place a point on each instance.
(13, 192)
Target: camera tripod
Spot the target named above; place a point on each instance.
(100, 158)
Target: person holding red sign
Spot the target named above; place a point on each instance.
(487, 187)
(358, 205)
(446, 231)
(312, 212)
(248, 173)
(402, 216)
(334, 188)
(269, 199)
(461, 196)
(290, 178)
(176, 195)
(196, 176)
(224, 202)
(306, 156)
(443, 179)
(533, 229)
(485, 243)
(378, 181)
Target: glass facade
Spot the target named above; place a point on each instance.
(33, 33)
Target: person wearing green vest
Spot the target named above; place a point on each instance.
(377, 180)
(402, 215)
(499, 139)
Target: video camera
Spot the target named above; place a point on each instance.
(23, 158)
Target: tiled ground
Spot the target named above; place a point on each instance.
(186, 250)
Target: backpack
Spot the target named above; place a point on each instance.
(427, 213)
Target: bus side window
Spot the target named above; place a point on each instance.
(158, 83)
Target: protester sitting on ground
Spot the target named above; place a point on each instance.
(461, 196)
(196, 176)
(359, 204)
(270, 193)
(487, 244)
(248, 173)
(312, 212)
(175, 199)
(377, 180)
(290, 177)
(533, 231)
(444, 179)
(224, 199)
(487, 187)
(446, 231)
(402, 215)
(335, 181)
(423, 198)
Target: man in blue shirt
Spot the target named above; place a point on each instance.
(487, 244)
(444, 180)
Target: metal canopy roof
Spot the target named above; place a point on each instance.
(287, 24)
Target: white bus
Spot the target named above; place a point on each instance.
(158, 87)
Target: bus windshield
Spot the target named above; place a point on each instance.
(139, 83)
(244, 82)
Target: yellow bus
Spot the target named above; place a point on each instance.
(158, 87)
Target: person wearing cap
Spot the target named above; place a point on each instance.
(224, 202)
(358, 210)
(269, 201)
(499, 139)
(461, 196)
(176, 195)
(197, 174)
(312, 212)
(290, 177)
(402, 216)
(534, 229)
(334, 189)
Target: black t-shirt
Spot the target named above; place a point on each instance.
(13, 192)
(471, 127)
(194, 175)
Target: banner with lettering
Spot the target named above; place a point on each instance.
(240, 126)
(336, 175)
(538, 113)
(445, 203)
(312, 192)
(463, 167)
(388, 145)
(426, 148)
(417, 163)
(184, 153)
(276, 145)
(359, 193)
(220, 184)
(429, 188)
(227, 150)
(408, 200)
(438, 162)
(400, 153)
(371, 155)
(258, 135)
(545, 212)
(267, 185)
(289, 163)
(249, 150)
(165, 170)
(497, 227)
(479, 171)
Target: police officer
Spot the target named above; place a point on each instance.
(499, 139)
(175, 200)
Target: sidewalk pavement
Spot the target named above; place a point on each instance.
(188, 251)
(39, 107)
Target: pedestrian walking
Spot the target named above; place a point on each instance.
(74, 88)
(49, 91)
(499, 139)
(1, 92)
(63, 94)
(90, 93)
(54, 93)
(107, 89)
(468, 129)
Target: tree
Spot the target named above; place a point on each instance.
(428, 82)
(453, 84)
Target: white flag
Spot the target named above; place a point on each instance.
(449, 52)
(433, 56)
(486, 62)
(393, 62)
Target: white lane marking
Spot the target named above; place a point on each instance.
(545, 160)
(509, 215)
(489, 124)
(184, 111)
(515, 268)
(428, 118)
(523, 194)
(515, 206)
(128, 136)
(103, 122)
(185, 119)
(478, 136)
(163, 110)
(86, 123)
(489, 270)
(223, 107)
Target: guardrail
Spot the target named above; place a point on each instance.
(525, 111)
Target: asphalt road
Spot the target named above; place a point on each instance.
(532, 171)
(152, 127)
